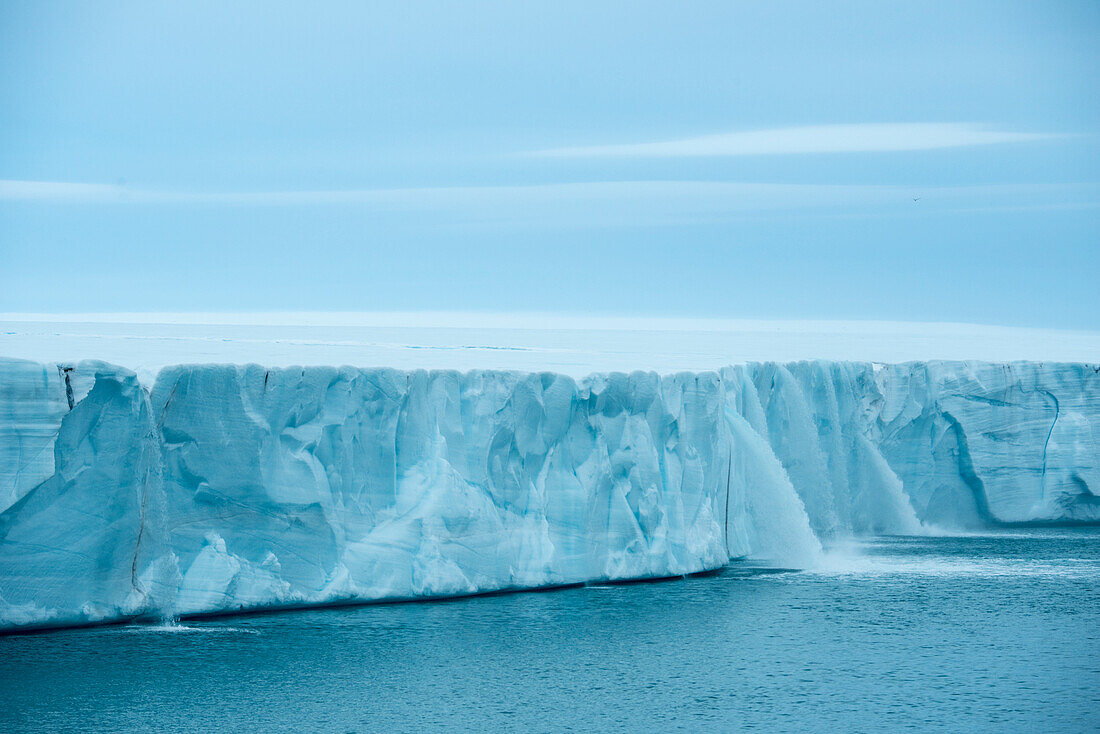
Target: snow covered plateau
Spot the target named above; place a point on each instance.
(216, 488)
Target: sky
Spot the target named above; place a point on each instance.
(859, 160)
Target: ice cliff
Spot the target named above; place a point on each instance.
(221, 488)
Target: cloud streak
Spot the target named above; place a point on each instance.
(857, 138)
(583, 203)
(15, 190)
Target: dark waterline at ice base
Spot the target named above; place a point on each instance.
(994, 632)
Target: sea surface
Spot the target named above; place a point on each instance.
(995, 632)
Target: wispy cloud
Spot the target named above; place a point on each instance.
(12, 190)
(858, 138)
(597, 202)
(699, 194)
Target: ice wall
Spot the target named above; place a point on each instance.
(87, 543)
(226, 487)
(372, 484)
(978, 443)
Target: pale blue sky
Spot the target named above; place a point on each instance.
(878, 160)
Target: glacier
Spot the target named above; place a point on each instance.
(221, 488)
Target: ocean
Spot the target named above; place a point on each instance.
(991, 632)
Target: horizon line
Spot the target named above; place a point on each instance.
(520, 320)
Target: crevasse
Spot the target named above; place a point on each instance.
(223, 488)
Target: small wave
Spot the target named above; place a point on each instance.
(935, 531)
(840, 563)
(177, 628)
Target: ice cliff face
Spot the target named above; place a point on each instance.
(980, 443)
(299, 486)
(226, 488)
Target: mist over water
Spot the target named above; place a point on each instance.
(984, 632)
